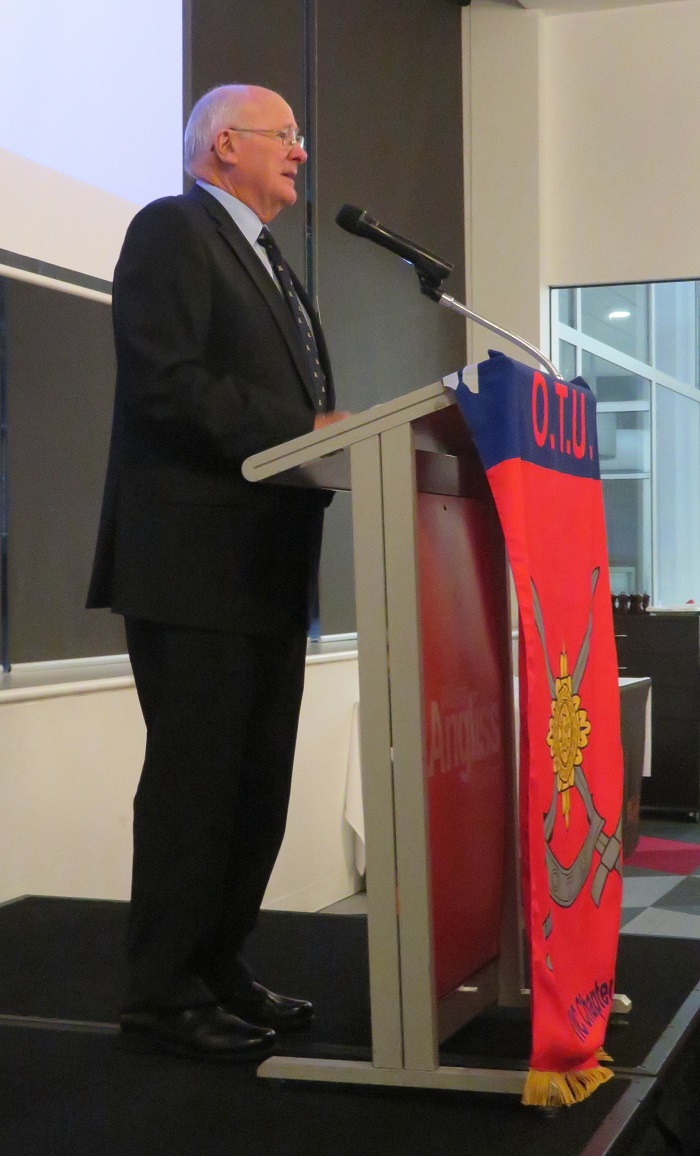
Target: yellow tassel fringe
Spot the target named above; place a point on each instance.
(561, 1089)
(603, 1057)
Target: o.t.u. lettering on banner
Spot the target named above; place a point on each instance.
(572, 418)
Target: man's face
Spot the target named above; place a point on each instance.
(264, 170)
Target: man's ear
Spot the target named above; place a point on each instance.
(225, 148)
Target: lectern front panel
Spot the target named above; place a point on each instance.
(465, 634)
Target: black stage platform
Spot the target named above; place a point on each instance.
(65, 1088)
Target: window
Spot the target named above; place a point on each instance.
(638, 348)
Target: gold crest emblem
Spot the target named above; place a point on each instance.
(567, 737)
(568, 733)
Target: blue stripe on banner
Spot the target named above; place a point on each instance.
(519, 412)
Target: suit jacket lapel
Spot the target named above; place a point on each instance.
(233, 237)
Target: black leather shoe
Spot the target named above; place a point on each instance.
(267, 1009)
(205, 1033)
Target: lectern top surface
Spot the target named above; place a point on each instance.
(322, 458)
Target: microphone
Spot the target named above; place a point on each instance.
(431, 270)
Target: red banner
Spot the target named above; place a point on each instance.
(537, 439)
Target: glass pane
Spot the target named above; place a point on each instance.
(628, 523)
(624, 442)
(618, 315)
(678, 495)
(613, 383)
(567, 360)
(676, 329)
(566, 305)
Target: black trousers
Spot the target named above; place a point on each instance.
(221, 712)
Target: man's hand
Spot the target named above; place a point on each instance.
(322, 419)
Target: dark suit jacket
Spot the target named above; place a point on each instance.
(210, 369)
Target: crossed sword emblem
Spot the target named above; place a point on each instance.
(566, 883)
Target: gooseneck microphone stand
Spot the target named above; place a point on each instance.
(436, 294)
(432, 271)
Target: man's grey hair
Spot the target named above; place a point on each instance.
(218, 109)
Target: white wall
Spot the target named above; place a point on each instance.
(622, 124)
(316, 864)
(502, 87)
(582, 153)
(69, 769)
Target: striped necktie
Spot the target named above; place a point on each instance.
(284, 276)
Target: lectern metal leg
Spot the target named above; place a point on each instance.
(375, 743)
(410, 795)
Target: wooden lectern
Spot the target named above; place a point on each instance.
(437, 742)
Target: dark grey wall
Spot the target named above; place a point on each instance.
(376, 85)
(389, 140)
(60, 385)
(260, 42)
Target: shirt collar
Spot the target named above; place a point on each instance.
(248, 222)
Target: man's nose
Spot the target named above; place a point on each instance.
(298, 153)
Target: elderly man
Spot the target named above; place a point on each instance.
(220, 354)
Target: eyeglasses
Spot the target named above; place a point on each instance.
(288, 136)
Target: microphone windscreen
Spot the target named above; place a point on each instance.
(349, 217)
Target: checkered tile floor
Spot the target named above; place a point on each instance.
(653, 902)
(656, 903)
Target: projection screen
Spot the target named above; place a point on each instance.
(90, 126)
